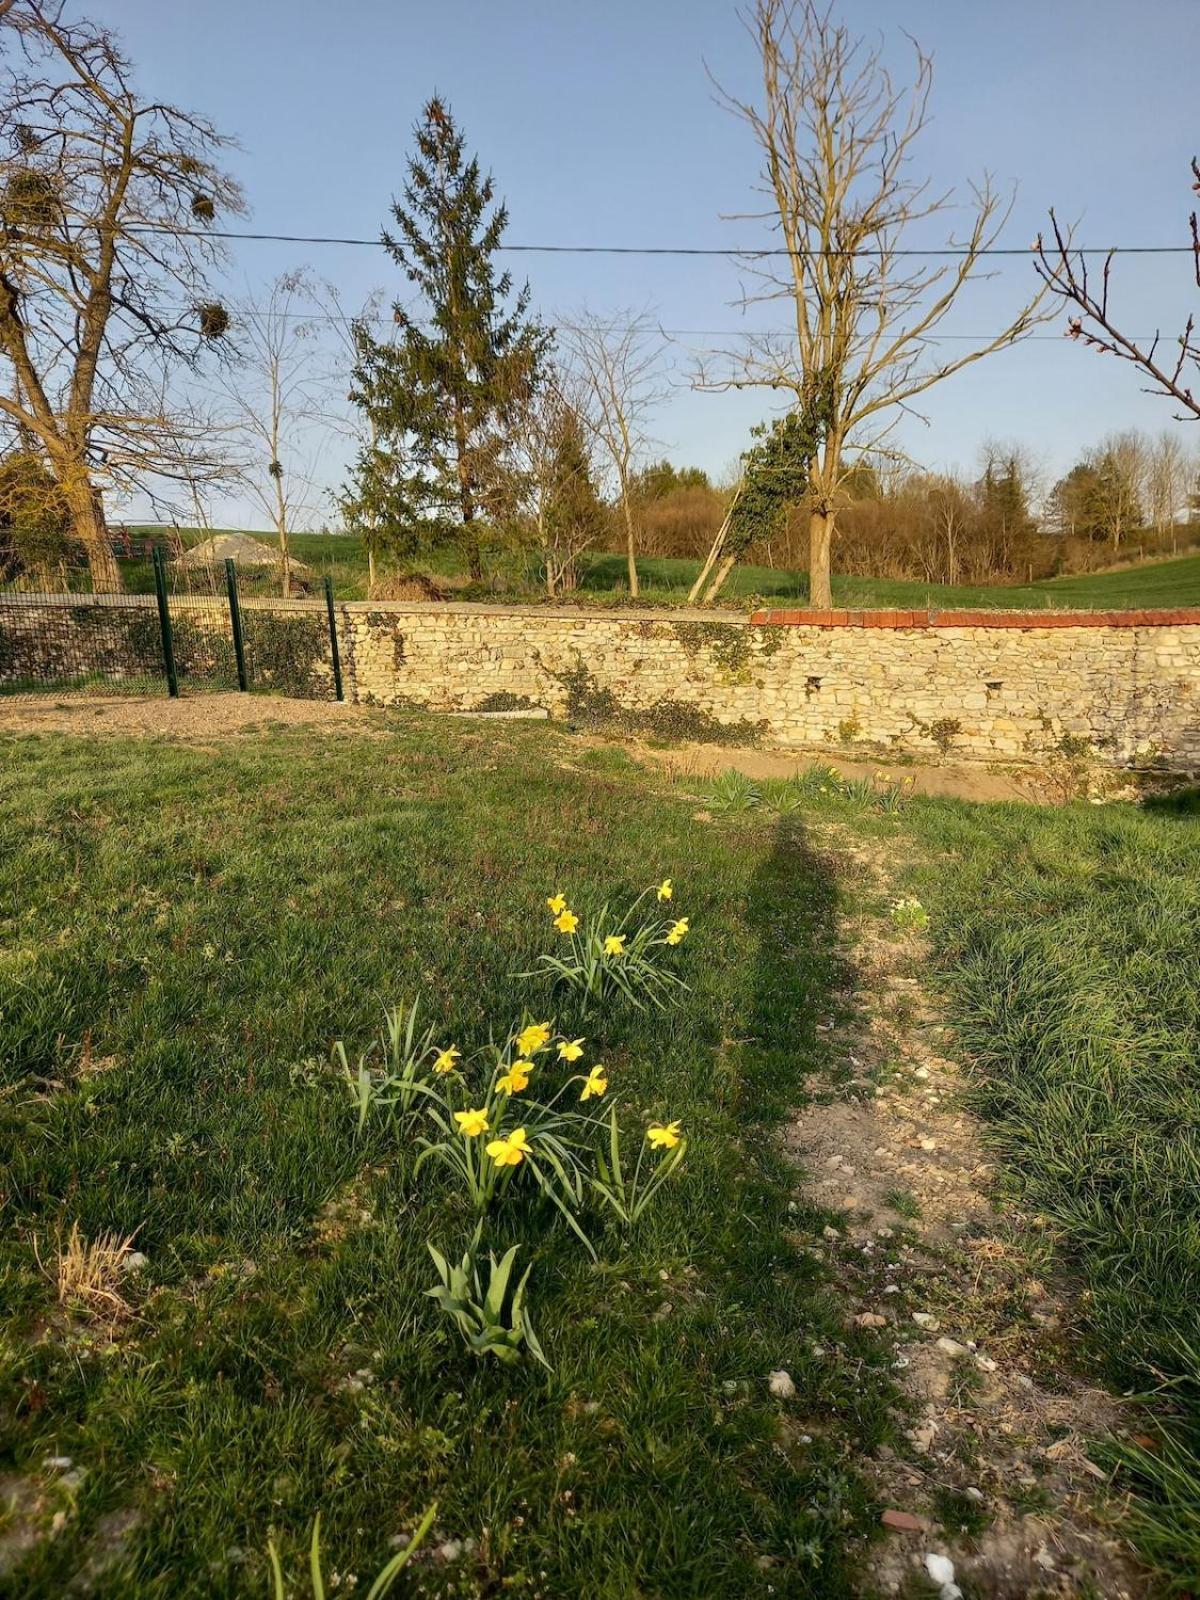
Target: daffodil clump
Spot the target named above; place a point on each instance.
(608, 955)
(527, 1114)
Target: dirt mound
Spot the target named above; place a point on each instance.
(239, 548)
(406, 586)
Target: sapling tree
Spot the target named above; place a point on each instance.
(619, 362)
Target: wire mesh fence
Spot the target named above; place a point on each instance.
(195, 633)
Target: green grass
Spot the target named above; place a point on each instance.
(1068, 944)
(665, 581)
(184, 932)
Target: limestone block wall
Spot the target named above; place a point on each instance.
(974, 685)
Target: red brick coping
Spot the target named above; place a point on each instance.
(976, 619)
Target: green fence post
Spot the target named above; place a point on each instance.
(333, 642)
(164, 622)
(235, 622)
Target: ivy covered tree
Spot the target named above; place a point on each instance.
(442, 398)
(774, 478)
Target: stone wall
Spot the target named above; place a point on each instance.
(984, 686)
(972, 685)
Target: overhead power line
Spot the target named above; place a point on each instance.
(736, 251)
(614, 327)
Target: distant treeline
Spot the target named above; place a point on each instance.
(1128, 498)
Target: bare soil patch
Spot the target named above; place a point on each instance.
(205, 716)
(996, 1474)
(962, 781)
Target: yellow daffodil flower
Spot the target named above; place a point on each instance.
(471, 1123)
(509, 1151)
(679, 932)
(516, 1078)
(596, 1083)
(614, 944)
(571, 1049)
(566, 921)
(663, 1136)
(533, 1038)
(665, 889)
(446, 1059)
(557, 904)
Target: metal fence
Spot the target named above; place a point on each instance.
(195, 632)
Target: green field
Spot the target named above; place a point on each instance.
(1156, 584)
(186, 930)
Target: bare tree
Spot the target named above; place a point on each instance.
(555, 456)
(105, 200)
(619, 364)
(1064, 271)
(1166, 483)
(277, 394)
(837, 139)
(1121, 460)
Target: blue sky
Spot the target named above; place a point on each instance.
(600, 126)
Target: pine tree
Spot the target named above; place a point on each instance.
(443, 397)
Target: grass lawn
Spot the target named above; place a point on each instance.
(1163, 584)
(185, 931)
(1070, 947)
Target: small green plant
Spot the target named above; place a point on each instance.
(733, 791)
(904, 1202)
(909, 915)
(626, 1192)
(616, 955)
(944, 731)
(392, 1073)
(384, 1579)
(783, 796)
(492, 1321)
(849, 729)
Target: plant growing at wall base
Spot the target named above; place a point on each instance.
(491, 1320)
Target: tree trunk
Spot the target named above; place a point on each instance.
(630, 546)
(466, 500)
(471, 544)
(370, 571)
(718, 582)
(89, 527)
(820, 539)
(710, 559)
(285, 561)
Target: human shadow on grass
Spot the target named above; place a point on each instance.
(1181, 802)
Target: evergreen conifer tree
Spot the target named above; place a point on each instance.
(443, 397)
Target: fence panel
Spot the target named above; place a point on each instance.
(80, 644)
(197, 633)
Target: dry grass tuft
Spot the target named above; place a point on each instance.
(88, 1273)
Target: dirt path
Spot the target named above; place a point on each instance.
(204, 716)
(996, 1475)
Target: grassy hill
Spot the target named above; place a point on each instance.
(667, 581)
